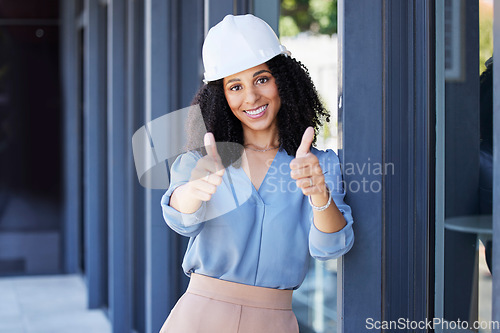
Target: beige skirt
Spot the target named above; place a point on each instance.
(216, 306)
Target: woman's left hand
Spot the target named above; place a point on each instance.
(306, 169)
(309, 177)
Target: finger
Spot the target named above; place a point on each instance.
(310, 181)
(305, 182)
(308, 160)
(316, 189)
(213, 179)
(200, 195)
(208, 164)
(220, 170)
(303, 172)
(204, 186)
(306, 170)
(210, 146)
(210, 174)
(305, 144)
(200, 172)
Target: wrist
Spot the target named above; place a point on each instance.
(321, 208)
(183, 199)
(321, 198)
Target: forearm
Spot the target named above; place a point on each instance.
(182, 201)
(329, 220)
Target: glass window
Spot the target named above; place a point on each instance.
(308, 28)
(464, 162)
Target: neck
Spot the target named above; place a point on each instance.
(261, 139)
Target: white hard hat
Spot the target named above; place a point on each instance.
(238, 43)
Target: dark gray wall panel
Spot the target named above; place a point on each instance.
(95, 203)
(119, 179)
(72, 139)
(269, 11)
(386, 118)
(409, 145)
(217, 10)
(361, 132)
(159, 296)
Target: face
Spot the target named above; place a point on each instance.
(253, 98)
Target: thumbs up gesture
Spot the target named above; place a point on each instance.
(305, 168)
(208, 172)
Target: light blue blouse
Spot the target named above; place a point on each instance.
(262, 237)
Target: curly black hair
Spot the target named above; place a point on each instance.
(301, 107)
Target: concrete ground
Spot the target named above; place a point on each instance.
(48, 304)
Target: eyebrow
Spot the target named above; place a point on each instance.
(254, 75)
(260, 72)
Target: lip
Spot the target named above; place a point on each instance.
(258, 115)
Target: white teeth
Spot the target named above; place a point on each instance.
(259, 110)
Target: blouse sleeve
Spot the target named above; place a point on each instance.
(322, 245)
(188, 225)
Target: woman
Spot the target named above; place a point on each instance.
(256, 208)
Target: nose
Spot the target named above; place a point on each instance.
(251, 96)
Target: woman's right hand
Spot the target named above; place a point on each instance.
(208, 172)
(205, 177)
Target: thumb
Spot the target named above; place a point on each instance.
(305, 144)
(210, 146)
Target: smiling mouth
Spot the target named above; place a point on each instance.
(257, 111)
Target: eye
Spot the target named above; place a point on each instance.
(236, 87)
(262, 80)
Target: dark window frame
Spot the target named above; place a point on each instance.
(387, 113)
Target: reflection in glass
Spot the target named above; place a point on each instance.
(467, 229)
(315, 302)
(309, 30)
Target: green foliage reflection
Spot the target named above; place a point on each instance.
(316, 16)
